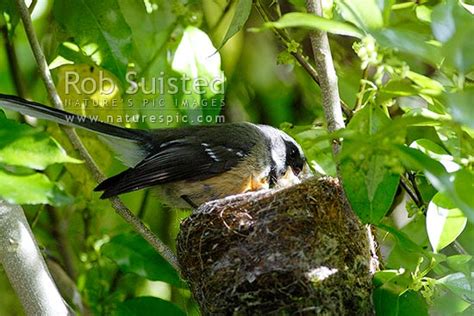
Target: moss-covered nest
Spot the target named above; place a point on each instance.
(298, 250)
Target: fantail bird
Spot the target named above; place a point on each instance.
(188, 165)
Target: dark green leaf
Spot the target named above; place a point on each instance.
(146, 305)
(9, 12)
(314, 22)
(100, 30)
(369, 183)
(412, 303)
(33, 188)
(134, 255)
(241, 15)
(390, 296)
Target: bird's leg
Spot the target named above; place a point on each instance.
(189, 201)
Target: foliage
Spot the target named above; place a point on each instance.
(406, 70)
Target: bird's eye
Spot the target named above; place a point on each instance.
(293, 153)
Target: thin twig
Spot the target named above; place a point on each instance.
(117, 204)
(32, 6)
(360, 94)
(412, 178)
(13, 64)
(298, 55)
(409, 191)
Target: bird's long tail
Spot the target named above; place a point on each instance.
(41, 111)
(128, 143)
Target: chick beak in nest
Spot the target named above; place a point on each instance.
(292, 177)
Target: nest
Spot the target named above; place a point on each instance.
(298, 250)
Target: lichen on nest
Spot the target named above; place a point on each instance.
(298, 250)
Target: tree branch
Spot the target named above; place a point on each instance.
(117, 204)
(25, 266)
(327, 74)
(331, 100)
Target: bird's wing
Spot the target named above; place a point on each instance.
(174, 161)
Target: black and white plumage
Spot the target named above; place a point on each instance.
(188, 164)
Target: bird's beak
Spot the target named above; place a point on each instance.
(305, 172)
(288, 179)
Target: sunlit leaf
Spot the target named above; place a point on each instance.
(365, 14)
(242, 12)
(134, 255)
(146, 305)
(311, 21)
(22, 145)
(198, 60)
(33, 188)
(444, 222)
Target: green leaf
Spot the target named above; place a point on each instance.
(9, 12)
(100, 30)
(459, 263)
(241, 15)
(150, 30)
(314, 22)
(460, 285)
(453, 25)
(444, 222)
(460, 106)
(436, 152)
(456, 185)
(409, 42)
(370, 185)
(412, 303)
(197, 59)
(33, 188)
(147, 305)
(365, 14)
(22, 145)
(134, 255)
(392, 295)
